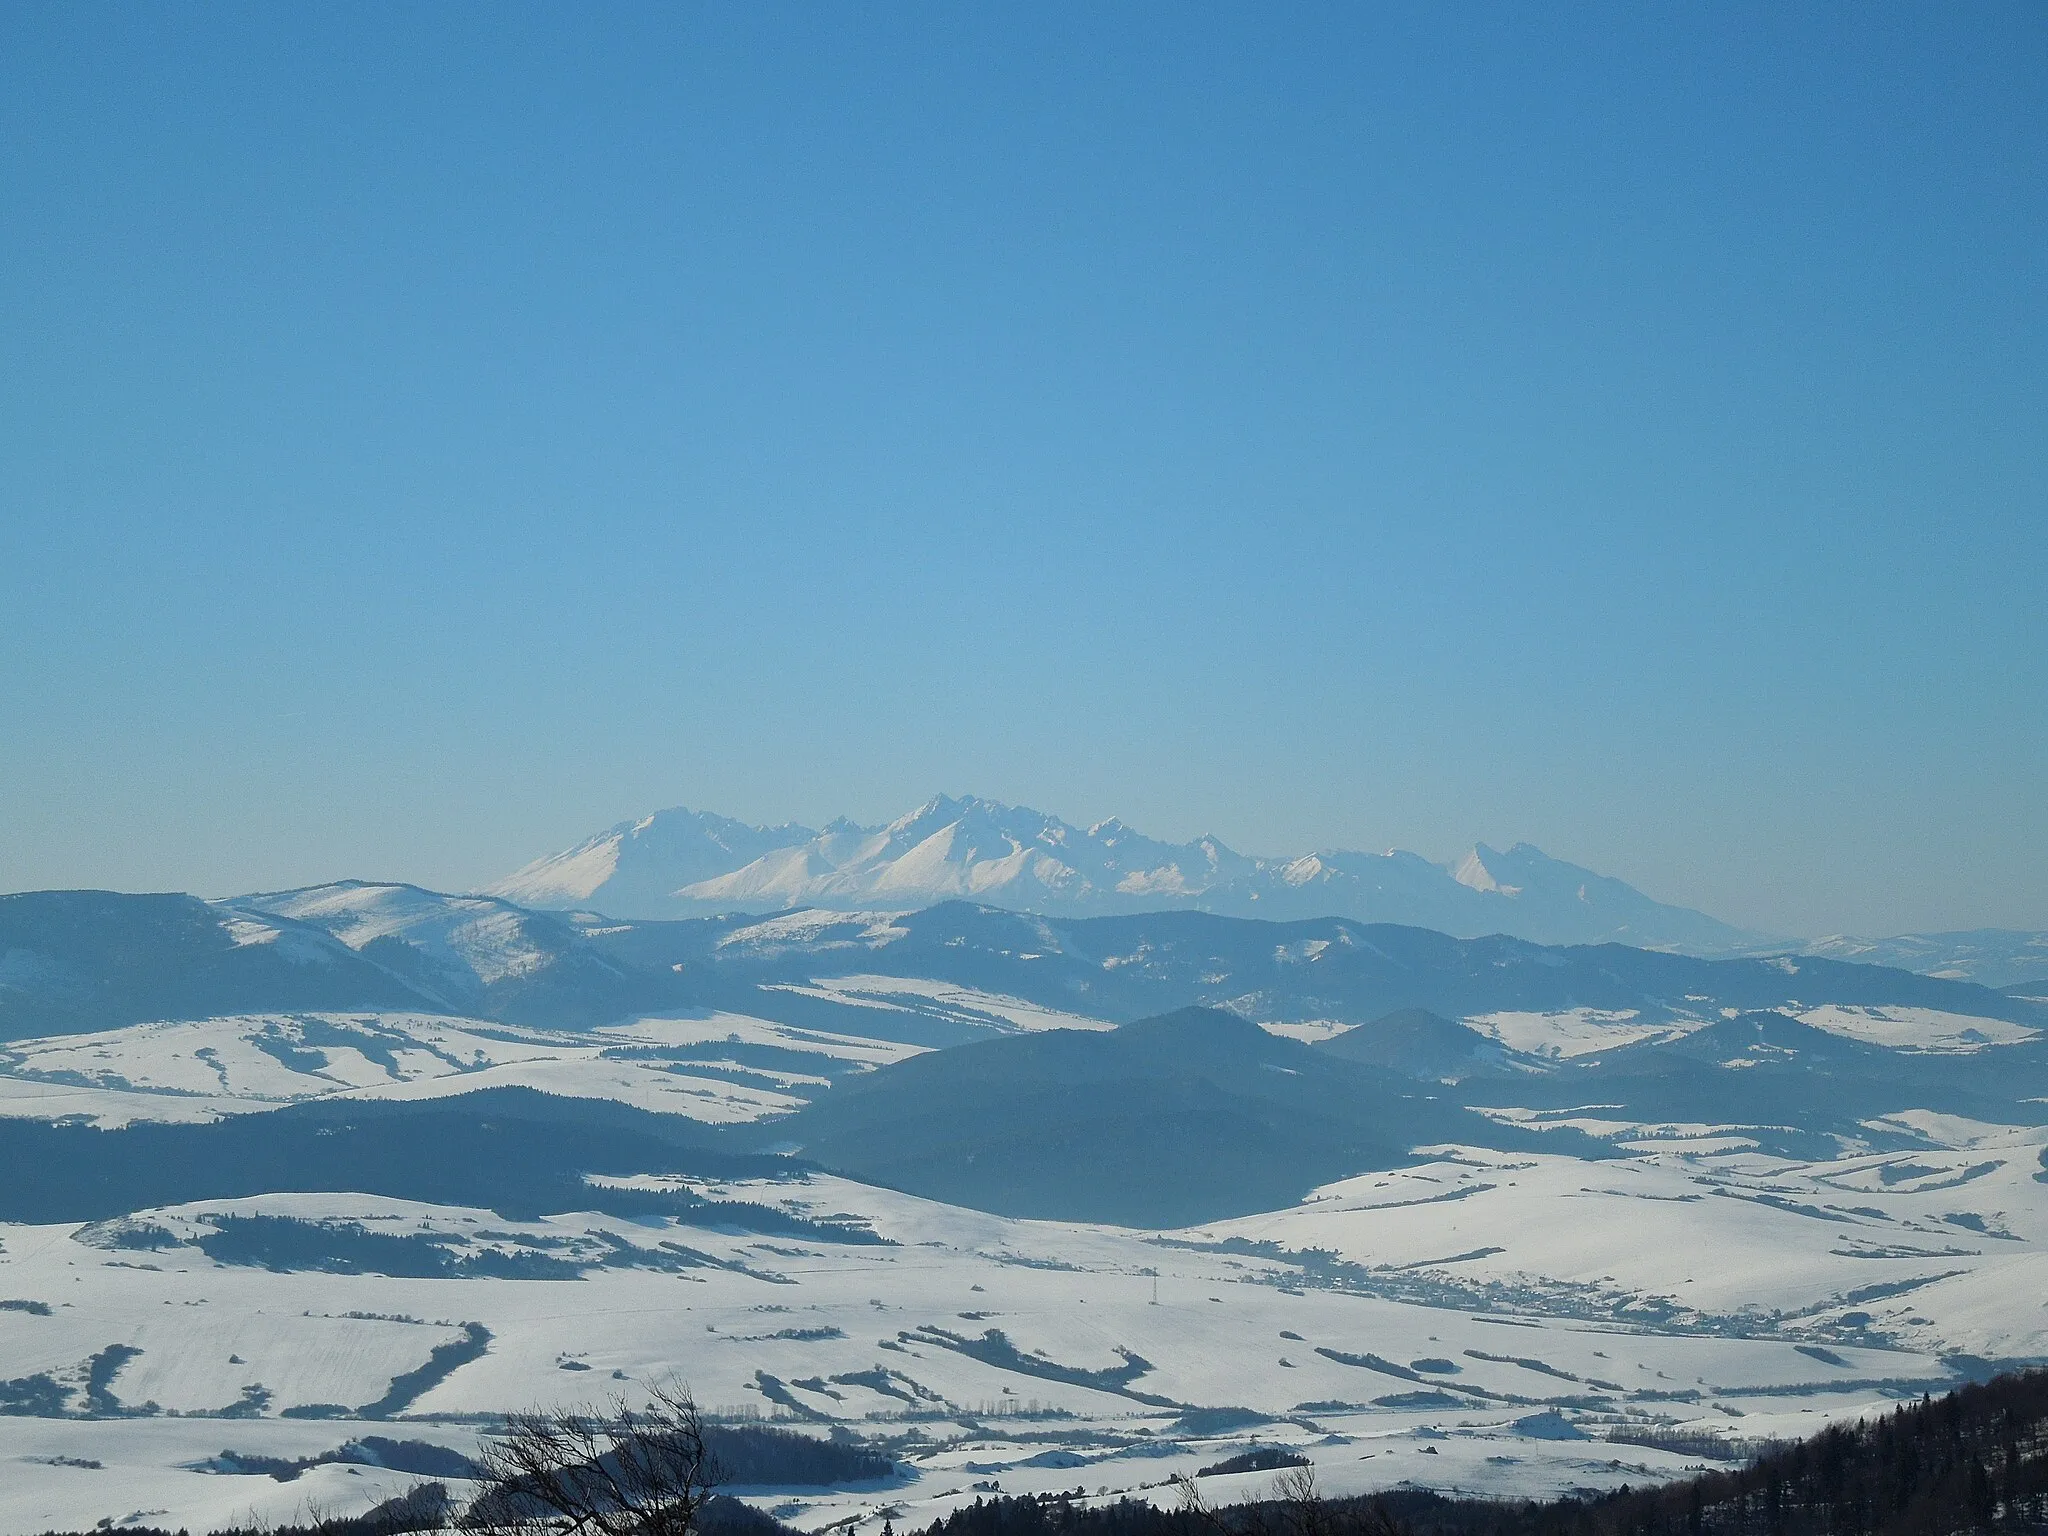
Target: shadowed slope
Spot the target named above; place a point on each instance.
(1424, 1045)
(1189, 1117)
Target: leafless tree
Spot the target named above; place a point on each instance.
(1192, 1502)
(625, 1471)
(1299, 1505)
(1302, 1509)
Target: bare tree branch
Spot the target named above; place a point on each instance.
(625, 1472)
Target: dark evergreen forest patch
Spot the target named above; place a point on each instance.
(421, 1457)
(511, 1150)
(1260, 1458)
(290, 1243)
(747, 1455)
(443, 1361)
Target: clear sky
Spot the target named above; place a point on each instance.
(430, 433)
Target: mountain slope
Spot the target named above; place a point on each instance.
(1795, 1089)
(683, 863)
(1421, 1044)
(634, 868)
(472, 954)
(509, 1148)
(82, 960)
(1571, 898)
(1992, 957)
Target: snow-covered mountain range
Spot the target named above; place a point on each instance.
(683, 863)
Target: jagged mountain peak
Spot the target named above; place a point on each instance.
(1476, 871)
(639, 864)
(682, 863)
(981, 815)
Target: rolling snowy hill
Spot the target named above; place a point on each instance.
(703, 1065)
(292, 1172)
(1474, 1320)
(681, 863)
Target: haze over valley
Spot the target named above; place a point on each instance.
(934, 770)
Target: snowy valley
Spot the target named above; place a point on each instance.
(1022, 1202)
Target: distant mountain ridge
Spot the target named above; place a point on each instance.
(1207, 1096)
(79, 961)
(683, 863)
(2015, 959)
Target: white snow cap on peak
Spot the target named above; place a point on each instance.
(1473, 871)
(683, 863)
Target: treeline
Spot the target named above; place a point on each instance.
(739, 1456)
(429, 1508)
(1975, 1460)
(754, 1455)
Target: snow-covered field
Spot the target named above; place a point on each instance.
(1571, 1032)
(968, 1005)
(1916, 1029)
(1477, 1321)
(202, 1069)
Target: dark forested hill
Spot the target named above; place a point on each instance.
(1182, 1118)
(1424, 1045)
(510, 1149)
(82, 960)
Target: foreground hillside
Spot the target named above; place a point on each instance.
(1974, 1460)
(1508, 1324)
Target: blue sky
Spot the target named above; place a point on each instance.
(432, 433)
